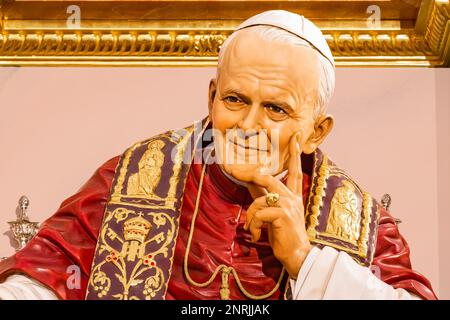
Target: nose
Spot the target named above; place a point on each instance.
(251, 122)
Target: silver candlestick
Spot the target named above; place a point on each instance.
(22, 228)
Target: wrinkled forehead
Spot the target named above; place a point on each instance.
(249, 52)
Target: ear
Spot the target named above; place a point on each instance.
(322, 127)
(211, 94)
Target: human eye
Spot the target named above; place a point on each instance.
(233, 102)
(276, 112)
(232, 99)
(275, 108)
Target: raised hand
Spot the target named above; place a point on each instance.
(284, 218)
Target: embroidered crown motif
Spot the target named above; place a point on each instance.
(136, 229)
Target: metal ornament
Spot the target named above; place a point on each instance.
(22, 228)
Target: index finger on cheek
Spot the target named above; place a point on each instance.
(295, 175)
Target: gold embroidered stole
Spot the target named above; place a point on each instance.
(339, 214)
(136, 243)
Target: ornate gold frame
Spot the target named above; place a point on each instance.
(189, 33)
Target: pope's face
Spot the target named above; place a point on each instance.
(265, 96)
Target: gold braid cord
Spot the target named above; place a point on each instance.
(226, 270)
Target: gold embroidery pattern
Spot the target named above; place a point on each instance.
(351, 222)
(134, 252)
(316, 198)
(145, 181)
(142, 185)
(132, 258)
(344, 218)
(135, 245)
(365, 230)
(122, 172)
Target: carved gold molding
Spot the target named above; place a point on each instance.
(154, 33)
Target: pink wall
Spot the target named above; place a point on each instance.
(58, 124)
(443, 169)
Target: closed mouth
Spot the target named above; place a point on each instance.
(247, 147)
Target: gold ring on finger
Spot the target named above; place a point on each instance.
(272, 199)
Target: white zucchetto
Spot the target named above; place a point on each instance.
(295, 24)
